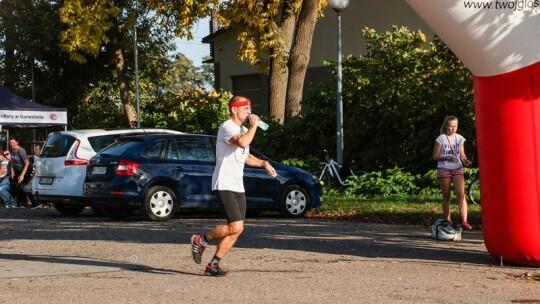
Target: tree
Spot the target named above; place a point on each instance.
(29, 38)
(170, 88)
(270, 31)
(105, 26)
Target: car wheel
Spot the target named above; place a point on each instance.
(160, 204)
(69, 209)
(116, 213)
(294, 201)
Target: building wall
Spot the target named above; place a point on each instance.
(241, 78)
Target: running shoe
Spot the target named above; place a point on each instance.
(214, 270)
(466, 226)
(37, 206)
(197, 248)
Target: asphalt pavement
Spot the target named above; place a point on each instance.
(49, 258)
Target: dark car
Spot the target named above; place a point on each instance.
(161, 174)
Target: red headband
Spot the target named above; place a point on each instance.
(244, 102)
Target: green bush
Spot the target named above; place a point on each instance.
(193, 111)
(397, 183)
(392, 182)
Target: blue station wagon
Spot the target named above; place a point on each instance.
(161, 174)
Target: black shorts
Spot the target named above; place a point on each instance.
(233, 205)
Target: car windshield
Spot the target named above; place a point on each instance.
(57, 145)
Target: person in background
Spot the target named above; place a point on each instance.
(5, 180)
(232, 153)
(19, 165)
(449, 152)
(37, 150)
(28, 186)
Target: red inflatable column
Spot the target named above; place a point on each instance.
(499, 41)
(507, 110)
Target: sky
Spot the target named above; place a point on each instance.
(195, 49)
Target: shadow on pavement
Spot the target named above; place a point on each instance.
(338, 238)
(22, 265)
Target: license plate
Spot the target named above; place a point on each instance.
(99, 170)
(45, 180)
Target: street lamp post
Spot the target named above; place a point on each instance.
(136, 55)
(339, 6)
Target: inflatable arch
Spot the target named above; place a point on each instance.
(499, 41)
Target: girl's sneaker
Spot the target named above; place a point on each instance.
(466, 226)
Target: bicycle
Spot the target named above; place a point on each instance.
(473, 188)
(473, 191)
(334, 171)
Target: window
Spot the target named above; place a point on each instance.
(172, 151)
(121, 147)
(154, 151)
(57, 145)
(195, 148)
(98, 143)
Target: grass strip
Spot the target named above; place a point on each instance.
(391, 210)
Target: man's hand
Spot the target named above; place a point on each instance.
(269, 169)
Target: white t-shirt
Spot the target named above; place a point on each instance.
(230, 159)
(450, 146)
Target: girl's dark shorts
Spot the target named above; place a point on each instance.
(233, 205)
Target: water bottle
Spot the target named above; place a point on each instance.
(261, 124)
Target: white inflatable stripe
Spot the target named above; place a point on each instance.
(490, 37)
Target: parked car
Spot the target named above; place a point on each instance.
(61, 166)
(161, 174)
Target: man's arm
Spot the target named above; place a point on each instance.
(244, 140)
(254, 161)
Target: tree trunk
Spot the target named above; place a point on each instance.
(131, 113)
(299, 58)
(278, 73)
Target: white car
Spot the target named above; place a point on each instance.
(61, 166)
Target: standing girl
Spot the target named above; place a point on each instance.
(449, 152)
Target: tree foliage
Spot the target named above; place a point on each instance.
(32, 59)
(91, 24)
(88, 24)
(109, 27)
(256, 23)
(30, 34)
(163, 79)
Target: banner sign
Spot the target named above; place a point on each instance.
(10, 117)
